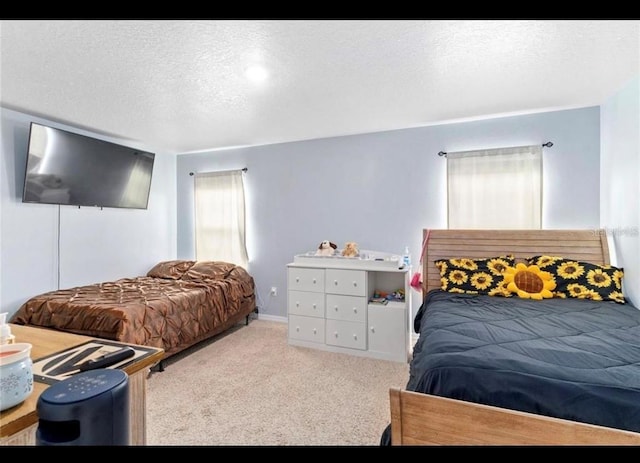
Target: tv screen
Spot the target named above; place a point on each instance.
(67, 168)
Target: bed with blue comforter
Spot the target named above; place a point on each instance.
(493, 366)
(566, 358)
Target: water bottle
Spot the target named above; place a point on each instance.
(406, 257)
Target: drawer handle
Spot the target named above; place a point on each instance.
(314, 331)
(355, 310)
(336, 308)
(297, 328)
(297, 279)
(314, 306)
(335, 282)
(355, 285)
(335, 334)
(355, 337)
(373, 330)
(297, 303)
(314, 281)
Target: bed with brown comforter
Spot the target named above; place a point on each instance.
(176, 305)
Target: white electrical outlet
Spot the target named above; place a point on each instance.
(274, 291)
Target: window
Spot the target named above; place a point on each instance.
(495, 189)
(220, 217)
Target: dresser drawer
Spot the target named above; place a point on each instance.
(346, 334)
(348, 282)
(306, 328)
(305, 303)
(306, 279)
(351, 308)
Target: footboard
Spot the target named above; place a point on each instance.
(423, 419)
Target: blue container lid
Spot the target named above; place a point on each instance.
(83, 386)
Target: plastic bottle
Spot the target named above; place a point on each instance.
(406, 257)
(5, 330)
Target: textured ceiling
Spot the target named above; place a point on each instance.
(180, 85)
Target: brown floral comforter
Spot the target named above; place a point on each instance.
(176, 305)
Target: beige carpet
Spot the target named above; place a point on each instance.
(249, 387)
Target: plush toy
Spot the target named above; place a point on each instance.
(326, 248)
(350, 249)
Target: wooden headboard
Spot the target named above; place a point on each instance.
(584, 245)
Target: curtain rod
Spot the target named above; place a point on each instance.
(244, 169)
(547, 144)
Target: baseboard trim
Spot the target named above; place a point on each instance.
(273, 318)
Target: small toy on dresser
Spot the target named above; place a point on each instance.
(326, 248)
(350, 249)
(382, 297)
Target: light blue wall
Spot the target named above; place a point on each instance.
(382, 189)
(93, 245)
(378, 189)
(620, 182)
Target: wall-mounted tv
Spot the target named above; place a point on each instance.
(71, 169)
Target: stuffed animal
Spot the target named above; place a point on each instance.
(350, 249)
(326, 248)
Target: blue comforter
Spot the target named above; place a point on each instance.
(565, 358)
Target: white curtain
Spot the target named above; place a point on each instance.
(220, 217)
(495, 189)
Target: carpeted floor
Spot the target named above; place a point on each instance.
(250, 388)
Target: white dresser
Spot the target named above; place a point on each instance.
(328, 308)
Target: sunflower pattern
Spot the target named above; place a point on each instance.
(498, 265)
(468, 264)
(500, 290)
(617, 278)
(576, 290)
(481, 280)
(458, 277)
(474, 276)
(582, 280)
(543, 261)
(570, 270)
(599, 278)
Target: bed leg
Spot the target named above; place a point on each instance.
(249, 315)
(246, 323)
(161, 366)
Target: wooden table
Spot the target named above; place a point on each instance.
(18, 424)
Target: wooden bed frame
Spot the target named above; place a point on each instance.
(424, 419)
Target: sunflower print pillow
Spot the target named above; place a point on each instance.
(529, 282)
(582, 280)
(475, 276)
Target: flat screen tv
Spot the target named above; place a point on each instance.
(71, 169)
